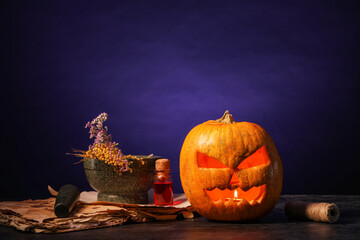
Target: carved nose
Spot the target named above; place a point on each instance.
(234, 179)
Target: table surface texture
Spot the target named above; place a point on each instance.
(273, 226)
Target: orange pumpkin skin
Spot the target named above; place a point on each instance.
(219, 157)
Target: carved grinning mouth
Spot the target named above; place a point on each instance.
(253, 196)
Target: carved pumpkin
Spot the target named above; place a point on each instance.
(223, 158)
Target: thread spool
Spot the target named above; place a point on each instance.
(319, 212)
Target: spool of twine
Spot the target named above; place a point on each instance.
(319, 212)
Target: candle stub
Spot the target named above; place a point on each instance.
(234, 199)
(319, 212)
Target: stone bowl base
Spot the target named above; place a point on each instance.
(137, 199)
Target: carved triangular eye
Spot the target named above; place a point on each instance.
(261, 156)
(204, 161)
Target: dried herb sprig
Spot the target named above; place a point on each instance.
(103, 147)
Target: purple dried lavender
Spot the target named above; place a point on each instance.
(126, 168)
(98, 131)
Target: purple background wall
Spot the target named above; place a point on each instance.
(159, 68)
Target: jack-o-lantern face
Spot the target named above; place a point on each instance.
(230, 171)
(253, 192)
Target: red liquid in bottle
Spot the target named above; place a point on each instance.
(163, 192)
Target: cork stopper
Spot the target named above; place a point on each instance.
(162, 166)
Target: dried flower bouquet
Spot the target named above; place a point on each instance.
(104, 148)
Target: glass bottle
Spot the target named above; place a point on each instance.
(163, 184)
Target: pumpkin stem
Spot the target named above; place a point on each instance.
(226, 118)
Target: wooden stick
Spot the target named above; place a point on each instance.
(319, 212)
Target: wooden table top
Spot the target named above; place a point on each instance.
(273, 226)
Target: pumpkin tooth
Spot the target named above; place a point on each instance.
(210, 189)
(241, 201)
(259, 200)
(245, 201)
(252, 202)
(233, 186)
(246, 188)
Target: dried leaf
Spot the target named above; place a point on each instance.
(187, 214)
(52, 191)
